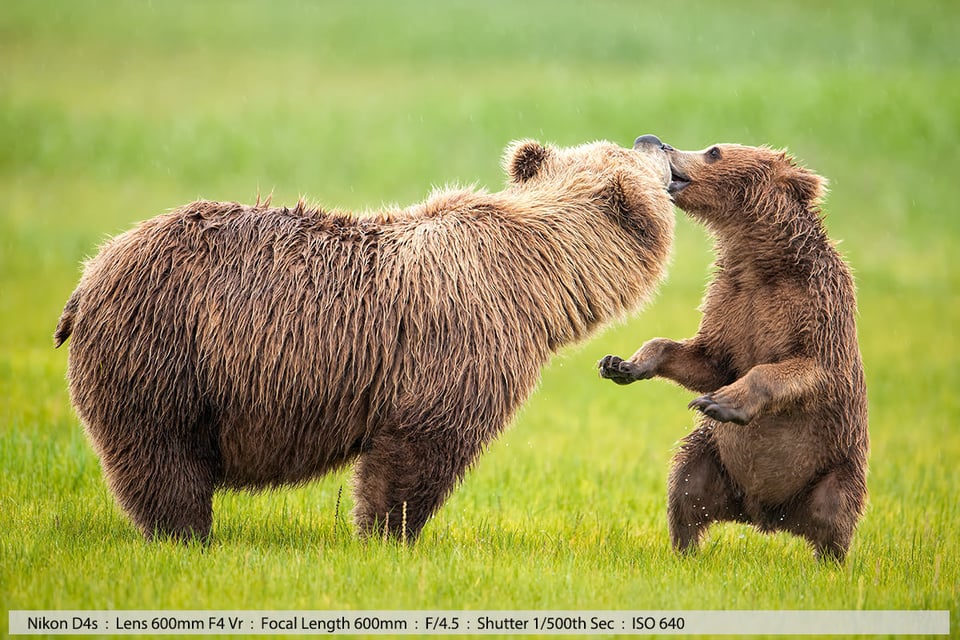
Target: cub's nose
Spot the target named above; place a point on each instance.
(650, 140)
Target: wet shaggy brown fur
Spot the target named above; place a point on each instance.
(783, 441)
(231, 346)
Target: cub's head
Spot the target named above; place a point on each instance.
(628, 183)
(737, 184)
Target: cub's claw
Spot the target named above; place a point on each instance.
(718, 409)
(608, 363)
(609, 368)
(619, 370)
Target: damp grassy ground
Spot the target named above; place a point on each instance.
(113, 112)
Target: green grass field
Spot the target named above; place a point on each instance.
(111, 112)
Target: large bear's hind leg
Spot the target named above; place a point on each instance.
(165, 489)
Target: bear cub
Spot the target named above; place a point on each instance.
(782, 443)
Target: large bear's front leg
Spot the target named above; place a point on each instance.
(765, 387)
(686, 363)
(403, 478)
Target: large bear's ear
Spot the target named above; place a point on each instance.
(801, 184)
(523, 159)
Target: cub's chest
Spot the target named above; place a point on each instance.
(754, 321)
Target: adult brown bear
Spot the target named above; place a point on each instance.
(232, 346)
(783, 442)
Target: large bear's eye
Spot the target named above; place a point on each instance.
(713, 154)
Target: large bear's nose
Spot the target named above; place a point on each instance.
(651, 141)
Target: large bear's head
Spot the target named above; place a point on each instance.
(526, 160)
(631, 182)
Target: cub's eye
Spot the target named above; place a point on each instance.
(713, 154)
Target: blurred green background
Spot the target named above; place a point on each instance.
(114, 111)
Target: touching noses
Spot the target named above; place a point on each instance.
(651, 140)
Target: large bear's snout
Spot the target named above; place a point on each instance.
(649, 141)
(651, 144)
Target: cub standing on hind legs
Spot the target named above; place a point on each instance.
(783, 440)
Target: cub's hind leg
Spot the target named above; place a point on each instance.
(699, 492)
(827, 516)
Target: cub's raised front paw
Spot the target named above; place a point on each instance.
(720, 408)
(621, 371)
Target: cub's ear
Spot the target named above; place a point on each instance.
(523, 159)
(800, 183)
